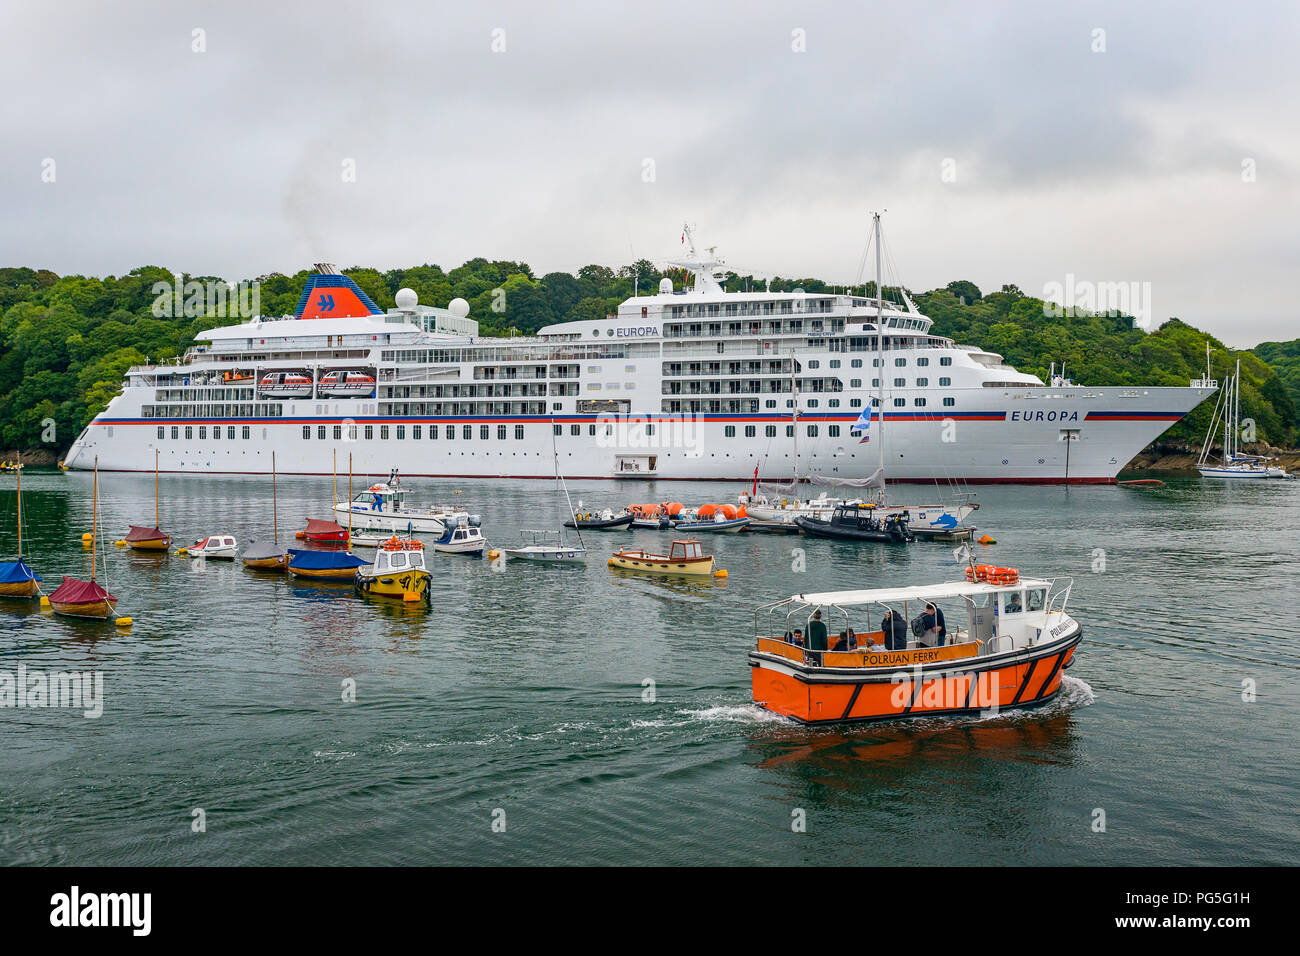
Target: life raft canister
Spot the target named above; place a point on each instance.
(988, 574)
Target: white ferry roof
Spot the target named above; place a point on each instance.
(924, 592)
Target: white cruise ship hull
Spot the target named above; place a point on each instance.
(996, 436)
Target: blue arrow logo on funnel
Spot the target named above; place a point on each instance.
(326, 303)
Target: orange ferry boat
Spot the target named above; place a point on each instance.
(1009, 645)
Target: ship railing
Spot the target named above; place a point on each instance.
(1058, 595)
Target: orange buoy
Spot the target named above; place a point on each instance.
(706, 511)
(728, 512)
(741, 512)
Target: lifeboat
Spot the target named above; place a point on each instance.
(285, 385)
(683, 557)
(994, 645)
(344, 384)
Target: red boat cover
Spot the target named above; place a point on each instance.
(323, 527)
(76, 591)
(139, 533)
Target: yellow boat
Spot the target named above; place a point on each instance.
(398, 572)
(684, 557)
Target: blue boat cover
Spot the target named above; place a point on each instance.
(16, 572)
(324, 560)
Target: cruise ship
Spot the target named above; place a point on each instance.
(696, 383)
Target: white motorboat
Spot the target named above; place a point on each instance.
(461, 537)
(215, 546)
(541, 551)
(382, 507)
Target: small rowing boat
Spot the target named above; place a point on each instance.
(326, 565)
(683, 557)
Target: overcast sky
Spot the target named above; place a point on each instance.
(1003, 145)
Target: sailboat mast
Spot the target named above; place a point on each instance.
(155, 489)
(555, 450)
(94, 521)
(349, 496)
(880, 356)
(275, 510)
(1236, 411)
(794, 421)
(20, 506)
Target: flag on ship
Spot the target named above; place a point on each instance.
(862, 425)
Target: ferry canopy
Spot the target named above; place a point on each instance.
(925, 592)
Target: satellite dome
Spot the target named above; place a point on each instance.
(458, 308)
(406, 299)
(665, 286)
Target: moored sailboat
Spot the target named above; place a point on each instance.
(260, 556)
(142, 537)
(17, 580)
(78, 598)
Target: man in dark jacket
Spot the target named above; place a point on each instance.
(933, 624)
(895, 631)
(816, 636)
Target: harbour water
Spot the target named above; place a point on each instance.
(520, 696)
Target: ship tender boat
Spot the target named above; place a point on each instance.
(326, 565)
(382, 507)
(461, 537)
(639, 393)
(1009, 651)
(399, 572)
(858, 522)
(683, 557)
(285, 385)
(606, 520)
(346, 384)
(215, 546)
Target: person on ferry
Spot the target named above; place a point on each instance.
(847, 641)
(797, 640)
(817, 635)
(378, 503)
(935, 628)
(895, 630)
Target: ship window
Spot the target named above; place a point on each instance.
(370, 432)
(919, 402)
(855, 403)
(484, 432)
(451, 432)
(855, 383)
(501, 431)
(519, 432)
(352, 433)
(575, 429)
(923, 361)
(812, 431)
(945, 382)
(729, 431)
(203, 432)
(789, 431)
(750, 431)
(922, 382)
(415, 432)
(320, 432)
(945, 360)
(812, 403)
(835, 363)
(770, 403)
(1034, 599)
(383, 433)
(770, 431)
(230, 432)
(814, 364)
(555, 429)
(591, 429)
(467, 432)
(949, 402)
(245, 433)
(875, 363)
(160, 431)
(338, 433)
(1012, 603)
(189, 432)
(649, 429)
(401, 431)
(833, 431)
(899, 402)
(899, 382)
(306, 432)
(856, 363)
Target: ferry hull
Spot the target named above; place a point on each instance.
(831, 695)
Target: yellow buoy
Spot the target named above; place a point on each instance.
(123, 622)
(720, 573)
(45, 602)
(119, 544)
(493, 555)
